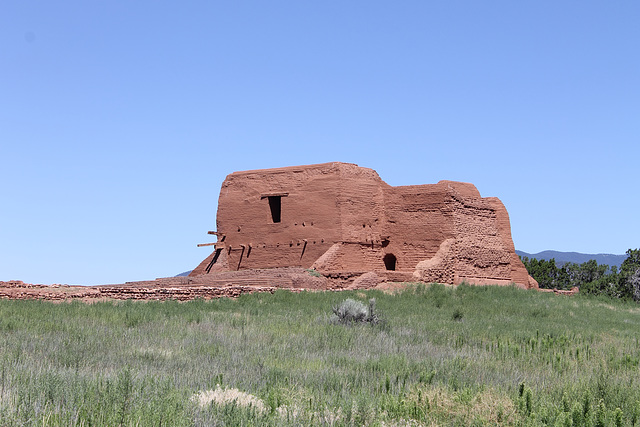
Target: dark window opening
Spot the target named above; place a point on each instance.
(275, 205)
(389, 261)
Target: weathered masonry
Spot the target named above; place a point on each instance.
(339, 217)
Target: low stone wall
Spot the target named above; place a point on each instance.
(218, 285)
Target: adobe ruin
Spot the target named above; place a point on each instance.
(342, 219)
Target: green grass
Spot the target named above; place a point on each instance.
(443, 356)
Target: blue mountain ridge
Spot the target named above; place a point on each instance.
(579, 258)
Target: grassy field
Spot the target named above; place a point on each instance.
(444, 356)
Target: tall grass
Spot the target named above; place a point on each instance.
(465, 355)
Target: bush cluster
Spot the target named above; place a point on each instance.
(590, 277)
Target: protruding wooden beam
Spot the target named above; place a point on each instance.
(215, 233)
(206, 244)
(265, 195)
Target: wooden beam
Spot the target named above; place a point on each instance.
(206, 244)
(265, 195)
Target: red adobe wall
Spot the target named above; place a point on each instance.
(315, 200)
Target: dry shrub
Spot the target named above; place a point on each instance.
(226, 396)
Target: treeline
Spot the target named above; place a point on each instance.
(591, 278)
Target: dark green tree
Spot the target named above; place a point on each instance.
(590, 277)
(629, 278)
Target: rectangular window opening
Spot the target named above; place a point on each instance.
(275, 205)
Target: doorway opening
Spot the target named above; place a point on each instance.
(275, 205)
(389, 261)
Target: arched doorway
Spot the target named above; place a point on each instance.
(389, 261)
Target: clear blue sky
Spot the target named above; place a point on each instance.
(120, 119)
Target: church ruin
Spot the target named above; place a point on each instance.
(341, 218)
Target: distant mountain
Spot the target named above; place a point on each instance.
(578, 258)
(186, 273)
